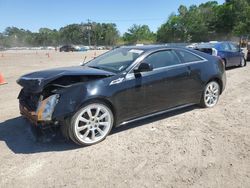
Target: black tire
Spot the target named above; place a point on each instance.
(203, 102)
(224, 62)
(65, 130)
(71, 125)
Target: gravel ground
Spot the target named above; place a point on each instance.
(192, 147)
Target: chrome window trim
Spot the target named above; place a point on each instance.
(130, 74)
(202, 58)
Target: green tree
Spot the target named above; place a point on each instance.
(139, 34)
(208, 21)
(71, 34)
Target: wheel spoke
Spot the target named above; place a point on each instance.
(211, 100)
(216, 91)
(89, 113)
(207, 99)
(104, 123)
(103, 116)
(83, 120)
(210, 88)
(82, 128)
(92, 135)
(97, 111)
(86, 134)
(100, 131)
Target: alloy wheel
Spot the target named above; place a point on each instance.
(212, 93)
(93, 123)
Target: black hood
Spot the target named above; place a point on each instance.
(36, 81)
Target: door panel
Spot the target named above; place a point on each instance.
(166, 88)
(226, 50)
(130, 100)
(235, 54)
(170, 84)
(152, 91)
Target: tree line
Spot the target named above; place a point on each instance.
(97, 33)
(208, 21)
(204, 22)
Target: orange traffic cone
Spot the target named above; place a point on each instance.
(2, 80)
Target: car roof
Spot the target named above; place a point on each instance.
(153, 47)
(212, 44)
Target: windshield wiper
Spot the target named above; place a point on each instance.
(95, 67)
(103, 68)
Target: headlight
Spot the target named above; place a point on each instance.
(46, 108)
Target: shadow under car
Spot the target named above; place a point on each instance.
(20, 137)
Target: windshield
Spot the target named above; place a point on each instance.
(116, 60)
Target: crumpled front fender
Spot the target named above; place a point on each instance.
(69, 101)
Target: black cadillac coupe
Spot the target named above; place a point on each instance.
(118, 87)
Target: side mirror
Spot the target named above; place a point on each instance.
(143, 67)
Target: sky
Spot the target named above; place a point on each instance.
(54, 14)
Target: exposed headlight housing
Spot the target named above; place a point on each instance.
(46, 108)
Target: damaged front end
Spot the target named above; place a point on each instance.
(48, 107)
(46, 101)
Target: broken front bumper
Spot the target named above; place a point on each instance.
(30, 115)
(37, 110)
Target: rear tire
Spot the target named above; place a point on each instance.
(91, 124)
(211, 94)
(224, 62)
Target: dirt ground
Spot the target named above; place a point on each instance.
(192, 147)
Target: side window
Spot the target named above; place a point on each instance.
(225, 47)
(233, 47)
(188, 57)
(162, 59)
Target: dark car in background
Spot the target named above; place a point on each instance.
(121, 86)
(67, 48)
(229, 52)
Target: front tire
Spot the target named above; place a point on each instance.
(211, 94)
(91, 124)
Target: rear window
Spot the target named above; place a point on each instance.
(188, 57)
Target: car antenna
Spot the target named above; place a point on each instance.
(84, 59)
